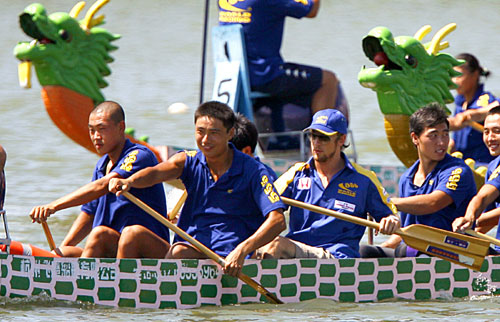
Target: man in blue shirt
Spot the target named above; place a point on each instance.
(115, 226)
(436, 189)
(263, 22)
(245, 139)
(488, 197)
(331, 181)
(232, 206)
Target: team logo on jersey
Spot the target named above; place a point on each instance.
(344, 205)
(128, 163)
(234, 14)
(229, 190)
(304, 184)
(191, 153)
(483, 100)
(345, 188)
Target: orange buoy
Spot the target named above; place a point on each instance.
(17, 248)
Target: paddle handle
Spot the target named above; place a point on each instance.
(476, 126)
(333, 213)
(477, 234)
(202, 248)
(48, 235)
(178, 205)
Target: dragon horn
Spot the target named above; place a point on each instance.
(87, 21)
(422, 32)
(76, 9)
(436, 40)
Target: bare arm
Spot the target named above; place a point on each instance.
(79, 230)
(272, 227)
(464, 119)
(486, 195)
(392, 242)
(164, 171)
(314, 11)
(423, 204)
(87, 193)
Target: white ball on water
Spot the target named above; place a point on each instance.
(178, 108)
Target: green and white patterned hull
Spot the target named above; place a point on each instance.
(193, 283)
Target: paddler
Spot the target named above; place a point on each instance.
(483, 210)
(436, 189)
(115, 226)
(328, 179)
(232, 206)
(263, 24)
(245, 139)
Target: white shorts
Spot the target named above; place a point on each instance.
(306, 251)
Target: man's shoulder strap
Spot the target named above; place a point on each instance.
(286, 178)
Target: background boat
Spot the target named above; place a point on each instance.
(158, 63)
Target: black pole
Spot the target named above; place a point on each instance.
(204, 51)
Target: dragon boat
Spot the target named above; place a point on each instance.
(152, 283)
(62, 45)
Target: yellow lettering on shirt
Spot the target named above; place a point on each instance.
(269, 189)
(128, 163)
(483, 100)
(494, 174)
(454, 178)
(345, 188)
(304, 2)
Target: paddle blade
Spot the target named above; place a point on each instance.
(457, 248)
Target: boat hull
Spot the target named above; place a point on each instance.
(150, 283)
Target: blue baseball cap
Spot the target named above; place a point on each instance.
(328, 122)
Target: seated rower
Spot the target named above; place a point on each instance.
(115, 226)
(488, 197)
(436, 189)
(232, 206)
(328, 179)
(245, 139)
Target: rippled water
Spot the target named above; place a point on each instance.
(158, 63)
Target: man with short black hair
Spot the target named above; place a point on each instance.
(232, 206)
(436, 189)
(245, 139)
(115, 226)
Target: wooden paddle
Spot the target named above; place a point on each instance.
(202, 248)
(48, 235)
(178, 205)
(476, 126)
(457, 248)
(477, 234)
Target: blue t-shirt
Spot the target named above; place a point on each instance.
(353, 190)
(452, 176)
(493, 179)
(118, 212)
(221, 214)
(468, 140)
(263, 22)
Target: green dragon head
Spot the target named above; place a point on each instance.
(409, 74)
(67, 52)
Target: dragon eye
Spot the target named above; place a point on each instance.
(410, 60)
(65, 35)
